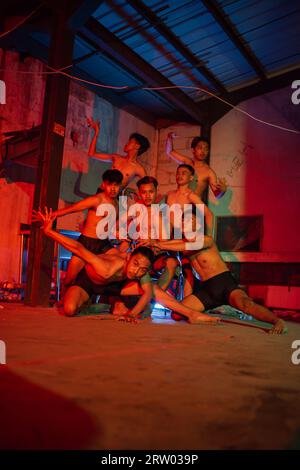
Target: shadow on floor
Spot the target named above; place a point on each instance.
(33, 417)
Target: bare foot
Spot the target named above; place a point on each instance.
(120, 308)
(197, 318)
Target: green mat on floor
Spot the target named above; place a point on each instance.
(225, 312)
(230, 314)
(102, 309)
(94, 309)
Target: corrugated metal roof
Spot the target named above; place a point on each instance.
(218, 45)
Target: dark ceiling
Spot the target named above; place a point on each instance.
(234, 49)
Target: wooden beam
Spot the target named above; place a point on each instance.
(127, 58)
(215, 10)
(216, 109)
(168, 34)
(24, 43)
(47, 188)
(80, 11)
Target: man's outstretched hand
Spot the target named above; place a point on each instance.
(220, 188)
(128, 318)
(46, 218)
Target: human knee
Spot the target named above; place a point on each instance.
(156, 290)
(68, 281)
(247, 305)
(70, 308)
(191, 301)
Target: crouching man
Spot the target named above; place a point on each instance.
(217, 286)
(126, 274)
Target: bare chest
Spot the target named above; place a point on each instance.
(178, 198)
(93, 219)
(201, 173)
(128, 169)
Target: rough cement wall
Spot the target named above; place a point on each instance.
(23, 110)
(81, 175)
(262, 167)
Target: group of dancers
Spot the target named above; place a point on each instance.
(136, 273)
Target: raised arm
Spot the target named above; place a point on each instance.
(145, 297)
(171, 153)
(86, 203)
(180, 245)
(104, 157)
(101, 266)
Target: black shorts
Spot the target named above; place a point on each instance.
(95, 245)
(91, 288)
(216, 290)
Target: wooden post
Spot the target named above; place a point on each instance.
(47, 187)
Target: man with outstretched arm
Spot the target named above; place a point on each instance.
(127, 164)
(205, 175)
(184, 195)
(114, 270)
(112, 180)
(217, 286)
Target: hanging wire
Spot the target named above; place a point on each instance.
(151, 88)
(2, 35)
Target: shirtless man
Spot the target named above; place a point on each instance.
(113, 271)
(184, 195)
(217, 286)
(163, 262)
(127, 165)
(112, 180)
(205, 175)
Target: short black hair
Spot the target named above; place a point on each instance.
(198, 139)
(142, 140)
(145, 251)
(112, 176)
(147, 180)
(189, 167)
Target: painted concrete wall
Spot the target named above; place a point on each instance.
(262, 167)
(23, 110)
(81, 175)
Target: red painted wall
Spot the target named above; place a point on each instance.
(262, 167)
(81, 175)
(23, 110)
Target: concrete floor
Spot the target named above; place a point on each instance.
(93, 383)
